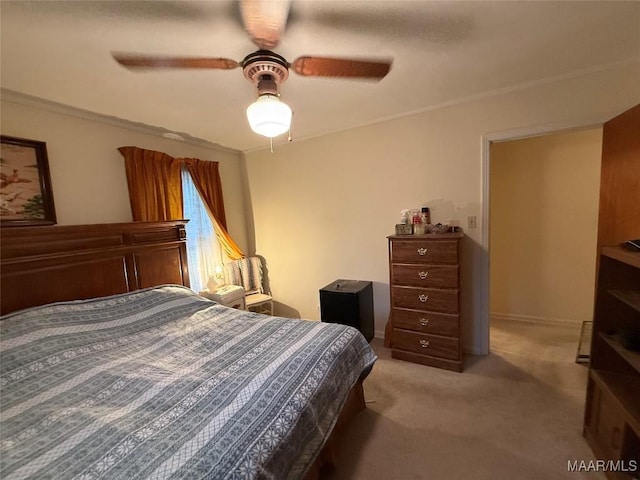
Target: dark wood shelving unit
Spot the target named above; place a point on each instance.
(612, 415)
(612, 410)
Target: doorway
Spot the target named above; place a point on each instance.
(542, 223)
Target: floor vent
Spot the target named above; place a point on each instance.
(584, 346)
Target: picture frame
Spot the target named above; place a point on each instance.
(26, 196)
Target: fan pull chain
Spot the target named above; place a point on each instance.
(289, 139)
(271, 143)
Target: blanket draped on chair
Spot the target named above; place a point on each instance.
(246, 272)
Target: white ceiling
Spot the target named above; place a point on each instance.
(443, 51)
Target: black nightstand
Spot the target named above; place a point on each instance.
(349, 302)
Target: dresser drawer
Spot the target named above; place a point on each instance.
(439, 276)
(426, 322)
(424, 251)
(424, 344)
(432, 299)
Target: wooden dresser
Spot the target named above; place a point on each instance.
(424, 278)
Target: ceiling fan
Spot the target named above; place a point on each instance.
(265, 21)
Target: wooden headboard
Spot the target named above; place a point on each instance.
(47, 264)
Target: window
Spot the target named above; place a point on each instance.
(203, 249)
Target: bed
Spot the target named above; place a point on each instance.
(152, 380)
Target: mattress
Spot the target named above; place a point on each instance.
(162, 383)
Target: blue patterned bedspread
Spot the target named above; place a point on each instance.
(161, 383)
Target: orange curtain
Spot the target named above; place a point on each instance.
(155, 184)
(206, 178)
(155, 190)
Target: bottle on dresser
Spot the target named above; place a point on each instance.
(418, 226)
(425, 215)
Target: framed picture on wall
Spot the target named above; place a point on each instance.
(26, 197)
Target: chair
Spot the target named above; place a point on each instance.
(247, 272)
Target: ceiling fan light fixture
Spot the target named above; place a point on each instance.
(268, 116)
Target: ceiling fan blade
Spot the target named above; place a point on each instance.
(147, 61)
(341, 67)
(265, 20)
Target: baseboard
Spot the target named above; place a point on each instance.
(533, 319)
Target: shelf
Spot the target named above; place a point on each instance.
(622, 255)
(625, 390)
(629, 297)
(631, 357)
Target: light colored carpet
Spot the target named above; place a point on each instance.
(514, 414)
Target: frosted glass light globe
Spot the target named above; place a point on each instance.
(269, 116)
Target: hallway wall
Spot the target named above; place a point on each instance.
(543, 226)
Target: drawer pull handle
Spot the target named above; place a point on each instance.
(423, 298)
(424, 343)
(424, 321)
(422, 251)
(423, 275)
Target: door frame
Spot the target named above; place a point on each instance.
(486, 141)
